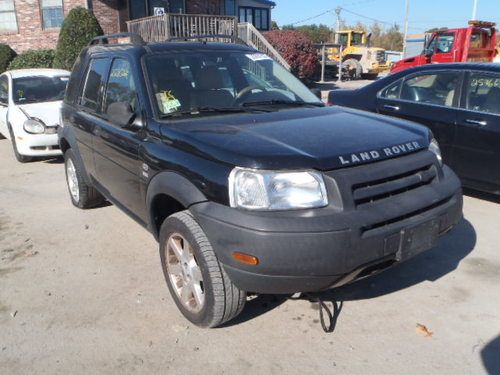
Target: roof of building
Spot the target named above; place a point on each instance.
(266, 2)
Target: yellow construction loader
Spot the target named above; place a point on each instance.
(359, 60)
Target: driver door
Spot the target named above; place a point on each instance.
(116, 148)
(444, 48)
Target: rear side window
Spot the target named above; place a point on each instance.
(482, 92)
(92, 89)
(438, 89)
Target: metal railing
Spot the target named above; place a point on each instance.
(254, 38)
(176, 25)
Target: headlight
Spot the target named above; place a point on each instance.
(33, 126)
(434, 148)
(270, 190)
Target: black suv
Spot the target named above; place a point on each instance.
(247, 181)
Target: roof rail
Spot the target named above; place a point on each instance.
(234, 38)
(135, 39)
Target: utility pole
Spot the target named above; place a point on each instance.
(337, 11)
(474, 11)
(406, 26)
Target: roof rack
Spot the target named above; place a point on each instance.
(135, 39)
(234, 38)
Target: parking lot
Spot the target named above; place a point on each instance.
(83, 292)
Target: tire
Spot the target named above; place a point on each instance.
(221, 299)
(353, 68)
(82, 195)
(20, 158)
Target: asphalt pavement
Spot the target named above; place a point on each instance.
(82, 292)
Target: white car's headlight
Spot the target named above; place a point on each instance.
(271, 190)
(434, 148)
(33, 126)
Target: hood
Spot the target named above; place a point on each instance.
(48, 112)
(319, 138)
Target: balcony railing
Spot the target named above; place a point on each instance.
(175, 25)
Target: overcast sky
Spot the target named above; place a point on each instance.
(424, 14)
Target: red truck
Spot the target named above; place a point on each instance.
(474, 43)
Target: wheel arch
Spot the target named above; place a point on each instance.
(168, 193)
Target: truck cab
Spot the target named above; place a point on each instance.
(476, 43)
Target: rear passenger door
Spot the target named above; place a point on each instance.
(89, 110)
(429, 98)
(116, 148)
(477, 145)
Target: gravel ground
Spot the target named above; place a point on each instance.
(82, 292)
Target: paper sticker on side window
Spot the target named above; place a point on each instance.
(485, 82)
(258, 56)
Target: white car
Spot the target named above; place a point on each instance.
(30, 100)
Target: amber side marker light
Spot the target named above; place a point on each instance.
(245, 258)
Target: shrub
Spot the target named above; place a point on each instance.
(297, 49)
(79, 28)
(43, 58)
(6, 56)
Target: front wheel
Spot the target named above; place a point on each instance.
(20, 158)
(199, 285)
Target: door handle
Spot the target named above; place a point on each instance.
(476, 122)
(391, 107)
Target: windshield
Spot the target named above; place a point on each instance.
(203, 82)
(36, 89)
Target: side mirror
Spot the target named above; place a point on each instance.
(120, 114)
(316, 92)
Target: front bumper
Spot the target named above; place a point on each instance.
(38, 144)
(310, 250)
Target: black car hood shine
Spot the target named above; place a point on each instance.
(302, 138)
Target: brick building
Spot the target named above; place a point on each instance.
(35, 24)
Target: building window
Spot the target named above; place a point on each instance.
(259, 17)
(52, 13)
(8, 21)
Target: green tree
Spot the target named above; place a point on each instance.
(7, 54)
(42, 58)
(78, 29)
(317, 33)
(274, 25)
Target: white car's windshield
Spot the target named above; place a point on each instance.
(211, 81)
(35, 89)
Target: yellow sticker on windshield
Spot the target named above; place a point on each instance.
(168, 102)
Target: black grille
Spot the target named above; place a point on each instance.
(372, 191)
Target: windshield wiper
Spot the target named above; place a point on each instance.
(283, 102)
(195, 111)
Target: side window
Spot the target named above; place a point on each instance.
(92, 89)
(392, 92)
(438, 89)
(4, 90)
(483, 93)
(445, 43)
(121, 86)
